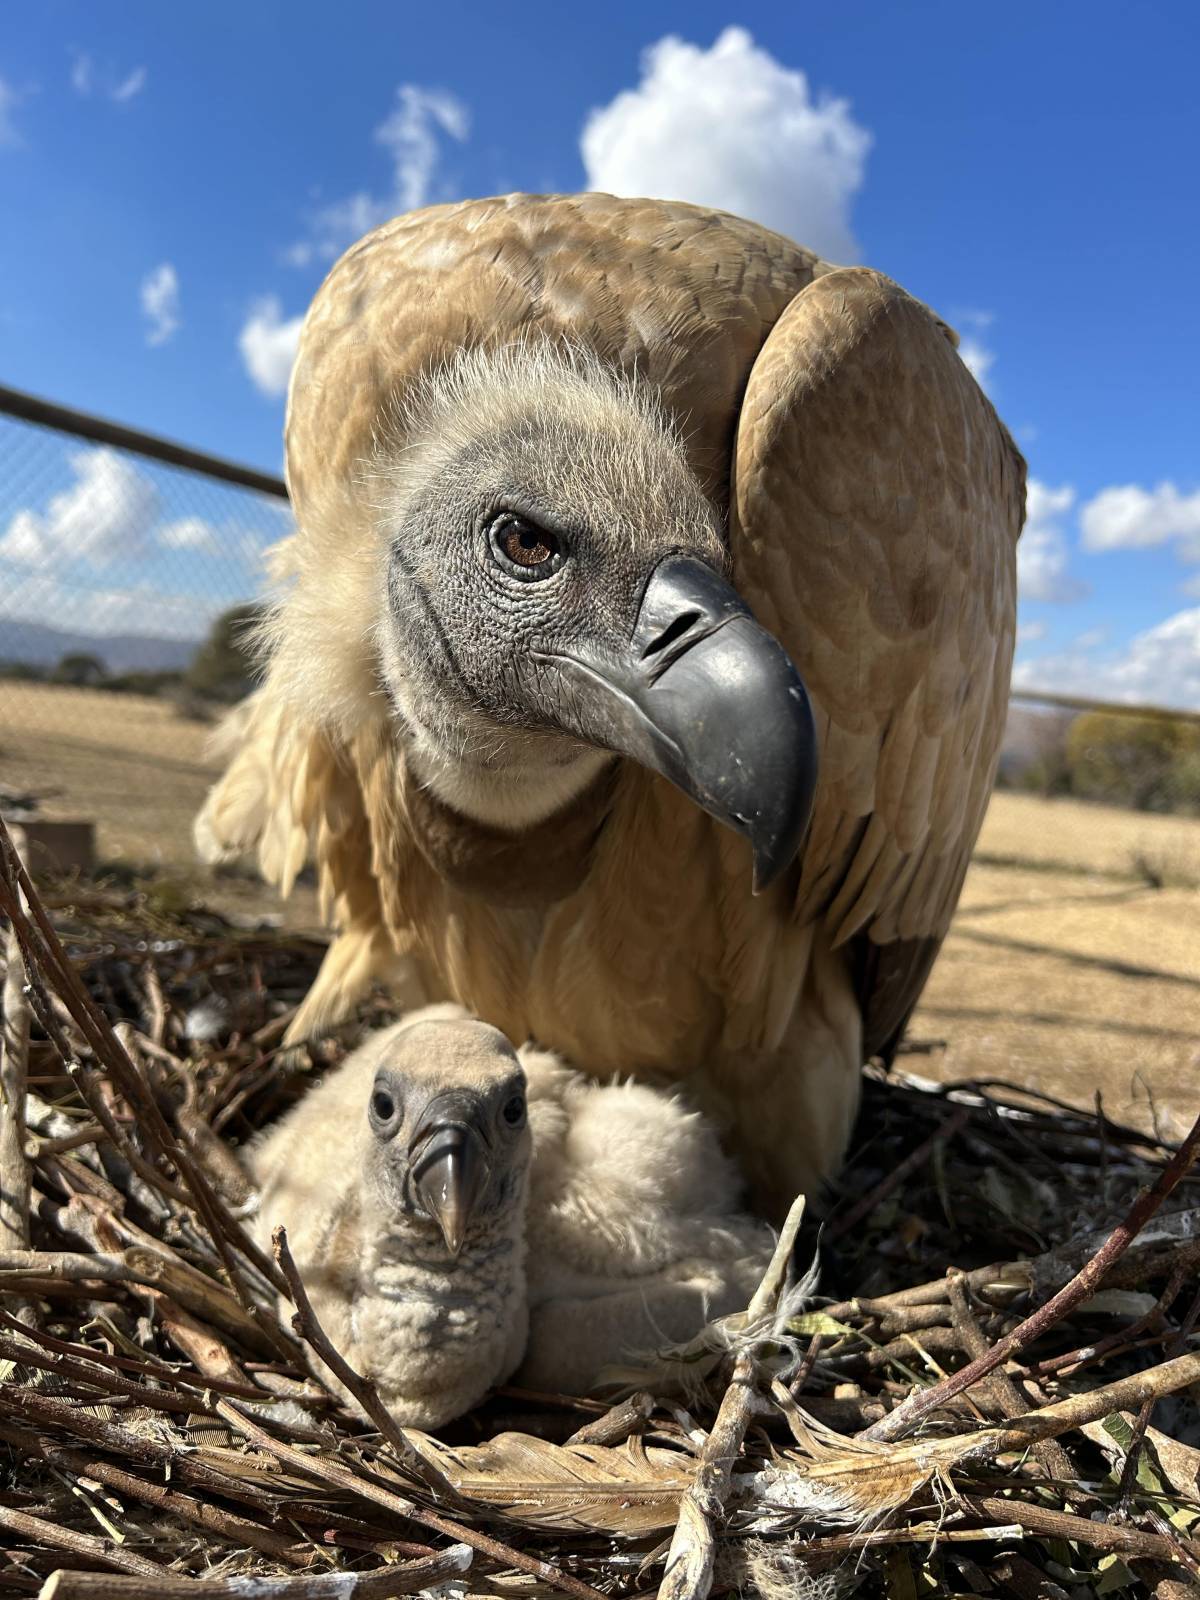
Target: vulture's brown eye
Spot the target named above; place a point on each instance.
(524, 550)
(514, 1111)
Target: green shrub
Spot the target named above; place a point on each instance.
(1148, 763)
(224, 666)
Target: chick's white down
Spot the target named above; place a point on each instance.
(607, 1229)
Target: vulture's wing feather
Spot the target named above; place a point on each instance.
(877, 504)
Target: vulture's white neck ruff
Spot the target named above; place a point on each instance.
(512, 794)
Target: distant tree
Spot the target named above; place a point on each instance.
(22, 672)
(81, 670)
(1033, 756)
(224, 666)
(1149, 763)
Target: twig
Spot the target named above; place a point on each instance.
(1081, 1287)
(1133, 1454)
(14, 1064)
(308, 1325)
(328, 1471)
(49, 1411)
(1008, 1397)
(916, 1158)
(1092, 1404)
(690, 1560)
(80, 1544)
(1062, 1525)
(406, 1578)
(240, 1531)
(1189, 1258)
(628, 1416)
(42, 948)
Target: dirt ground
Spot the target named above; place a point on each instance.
(1073, 964)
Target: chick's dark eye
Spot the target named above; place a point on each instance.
(525, 550)
(383, 1105)
(514, 1111)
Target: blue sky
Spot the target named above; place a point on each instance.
(174, 178)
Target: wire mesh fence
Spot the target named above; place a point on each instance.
(126, 565)
(120, 555)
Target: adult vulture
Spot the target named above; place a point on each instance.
(643, 663)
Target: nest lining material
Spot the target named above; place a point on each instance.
(999, 1395)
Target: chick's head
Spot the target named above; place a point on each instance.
(448, 1129)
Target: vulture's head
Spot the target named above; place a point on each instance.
(449, 1140)
(550, 589)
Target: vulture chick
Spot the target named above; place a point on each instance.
(402, 1182)
(634, 1229)
(436, 1267)
(642, 560)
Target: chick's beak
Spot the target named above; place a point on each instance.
(703, 694)
(449, 1165)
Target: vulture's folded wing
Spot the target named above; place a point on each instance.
(291, 795)
(877, 504)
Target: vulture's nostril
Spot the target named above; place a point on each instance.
(675, 629)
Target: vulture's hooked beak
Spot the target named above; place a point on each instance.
(449, 1164)
(706, 696)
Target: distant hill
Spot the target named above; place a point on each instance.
(40, 646)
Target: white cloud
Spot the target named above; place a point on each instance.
(1042, 554)
(733, 128)
(143, 611)
(410, 134)
(1031, 632)
(9, 99)
(977, 356)
(189, 533)
(160, 303)
(130, 85)
(1158, 667)
(86, 78)
(268, 345)
(1128, 517)
(107, 513)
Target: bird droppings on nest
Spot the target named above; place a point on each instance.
(160, 1426)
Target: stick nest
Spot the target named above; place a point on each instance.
(994, 1393)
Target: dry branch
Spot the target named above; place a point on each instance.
(691, 1558)
(14, 1059)
(1081, 1287)
(406, 1578)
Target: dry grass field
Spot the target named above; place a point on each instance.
(1073, 964)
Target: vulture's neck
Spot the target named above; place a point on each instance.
(512, 794)
(531, 865)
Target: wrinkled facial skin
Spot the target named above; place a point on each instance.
(622, 638)
(448, 1143)
(470, 636)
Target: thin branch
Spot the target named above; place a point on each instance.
(405, 1578)
(239, 1531)
(691, 1558)
(1084, 1284)
(331, 1472)
(308, 1325)
(1009, 1398)
(14, 1065)
(105, 1551)
(1062, 1525)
